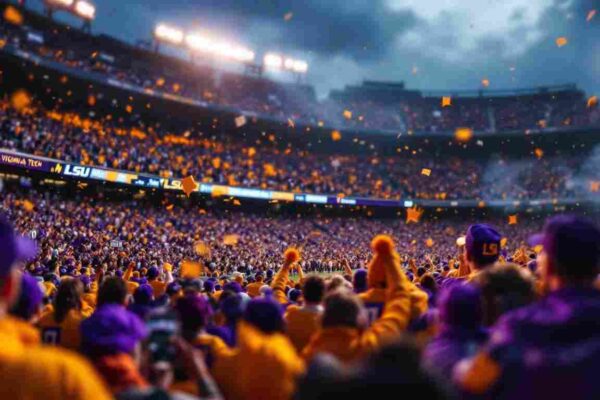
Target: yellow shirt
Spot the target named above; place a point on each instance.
(66, 333)
(262, 367)
(159, 288)
(302, 323)
(253, 289)
(37, 372)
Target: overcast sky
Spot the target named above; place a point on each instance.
(429, 44)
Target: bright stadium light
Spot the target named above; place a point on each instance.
(289, 63)
(300, 67)
(273, 61)
(204, 44)
(61, 3)
(198, 42)
(168, 34)
(85, 9)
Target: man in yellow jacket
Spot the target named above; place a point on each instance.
(342, 333)
(49, 373)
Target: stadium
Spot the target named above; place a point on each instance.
(179, 221)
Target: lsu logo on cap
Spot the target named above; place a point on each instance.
(490, 249)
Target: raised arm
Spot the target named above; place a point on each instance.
(282, 277)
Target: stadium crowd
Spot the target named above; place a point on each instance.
(151, 71)
(170, 302)
(227, 160)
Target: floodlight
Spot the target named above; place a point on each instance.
(168, 34)
(273, 61)
(85, 9)
(61, 3)
(300, 66)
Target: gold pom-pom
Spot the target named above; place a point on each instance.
(382, 244)
(291, 255)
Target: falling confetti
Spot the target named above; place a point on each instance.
(561, 41)
(236, 202)
(91, 101)
(503, 242)
(594, 186)
(461, 241)
(513, 219)
(446, 101)
(291, 123)
(240, 121)
(20, 99)
(231, 240)
(188, 185)
(426, 171)
(539, 153)
(592, 101)
(590, 15)
(347, 114)
(288, 16)
(414, 70)
(414, 214)
(485, 82)
(190, 269)
(336, 136)
(463, 134)
(429, 242)
(13, 16)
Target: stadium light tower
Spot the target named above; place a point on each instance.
(83, 9)
(278, 62)
(167, 34)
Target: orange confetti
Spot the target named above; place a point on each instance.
(414, 214)
(590, 15)
(291, 123)
(13, 16)
(594, 186)
(190, 269)
(503, 242)
(231, 240)
(188, 185)
(347, 114)
(28, 205)
(336, 136)
(160, 82)
(446, 101)
(485, 82)
(592, 101)
(20, 99)
(170, 207)
(91, 100)
(513, 219)
(128, 108)
(236, 202)
(561, 41)
(202, 211)
(429, 242)
(251, 152)
(288, 16)
(539, 153)
(463, 134)
(426, 171)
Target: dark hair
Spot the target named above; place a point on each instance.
(68, 297)
(504, 287)
(112, 291)
(314, 289)
(341, 309)
(428, 282)
(421, 271)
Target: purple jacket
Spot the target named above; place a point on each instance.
(551, 349)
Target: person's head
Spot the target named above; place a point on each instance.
(428, 283)
(143, 295)
(13, 249)
(571, 251)
(482, 246)
(504, 287)
(294, 296)
(359, 280)
(152, 273)
(336, 282)
(259, 277)
(231, 306)
(68, 297)
(343, 309)
(194, 311)
(265, 314)
(113, 290)
(460, 306)
(28, 304)
(313, 289)
(110, 330)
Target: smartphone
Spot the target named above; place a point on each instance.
(163, 327)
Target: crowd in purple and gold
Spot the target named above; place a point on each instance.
(262, 164)
(129, 299)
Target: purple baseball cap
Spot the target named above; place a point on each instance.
(265, 313)
(483, 243)
(573, 243)
(13, 247)
(30, 298)
(111, 330)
